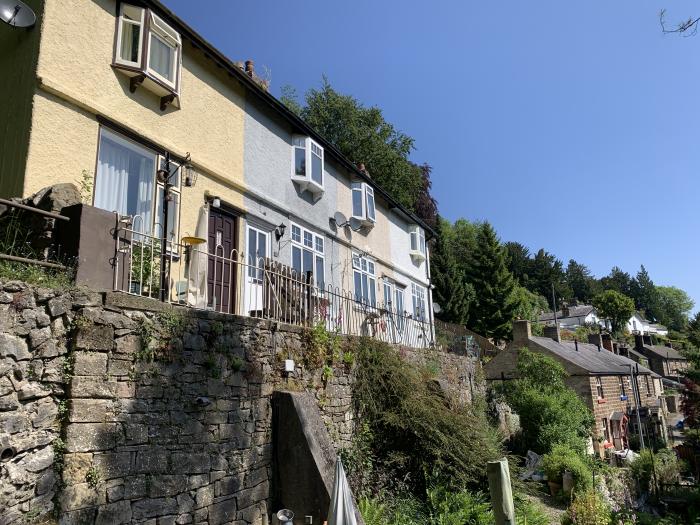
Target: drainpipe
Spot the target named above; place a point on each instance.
(430, 293)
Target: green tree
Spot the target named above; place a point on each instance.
(615, 307)
(674, 307)
(364, 136)
(645, 294)
(528, 305)
(581, 282)
(518, 260)
(619, 281)
(550, 412)
(426, 205)
(546, 270)
(694, 331)
(452, 292)
(494, 307)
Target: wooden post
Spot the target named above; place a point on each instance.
(501, 493)
(309, 298)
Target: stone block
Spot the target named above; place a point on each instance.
(198, 480)
(136, 434)
(45, 415)
(251, 496)
(129, 344)
(152, 508)
(229, 485)
(90, 410)
(90, 364)
(32, 390)
(191, 463)
(12, 423)
(119, 367)
(184, 519)
(38, 336)
(12, 346)
(205, 496)
(115, 493)
(135, 487)
(80, 496)
(86, 437)
(91, 387)
(151, 461)
(185, 503)
(95, 337)
(223, 512)
(167, 485)
(76, 467)
(46, 483)
(113, 464)
(114, 513)
(58, 306)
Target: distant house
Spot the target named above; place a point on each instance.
(600, 377)
(572, 317)
(664, 360)
(638, 324)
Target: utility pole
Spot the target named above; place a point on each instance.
(554, 307)
(635, 393)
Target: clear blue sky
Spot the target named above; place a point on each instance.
(572, 126)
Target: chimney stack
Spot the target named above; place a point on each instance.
(638, 341)
(669, 344)
(608, 342)
(565, 310)
(250, 68)
(595, 339)
(553, 333)
(521, 331)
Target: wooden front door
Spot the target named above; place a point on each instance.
(221, 271)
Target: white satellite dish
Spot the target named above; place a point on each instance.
(437, 308)
(355, 224)
(340, 219)
(16, 13)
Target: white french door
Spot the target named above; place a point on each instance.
(257, 243)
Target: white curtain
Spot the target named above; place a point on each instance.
(197, 270)
(161, 58)
(125, 180)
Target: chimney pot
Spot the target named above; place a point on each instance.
(250, 68)
(521, 331)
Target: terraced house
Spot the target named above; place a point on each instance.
(217, 196)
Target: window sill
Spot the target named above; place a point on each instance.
(139, 77)
(600, 401)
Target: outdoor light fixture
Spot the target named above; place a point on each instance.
(216, 202)
(279, 231)
(190, 176)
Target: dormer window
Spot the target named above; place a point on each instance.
(363, 203)
(307, 164)
(150, 52)
(417, 236)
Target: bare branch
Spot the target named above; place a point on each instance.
(686, 28)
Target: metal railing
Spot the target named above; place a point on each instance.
(233, 283)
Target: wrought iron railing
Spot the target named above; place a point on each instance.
(232, 283)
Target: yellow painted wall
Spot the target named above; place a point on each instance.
(77, 83)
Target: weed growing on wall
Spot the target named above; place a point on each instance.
(160, 335)
(85, 184)
(321, 347)
(93, 477)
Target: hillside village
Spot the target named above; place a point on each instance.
(222, 307)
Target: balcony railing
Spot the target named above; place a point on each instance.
(233, 283)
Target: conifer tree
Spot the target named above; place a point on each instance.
(494, 307)
(452, 292)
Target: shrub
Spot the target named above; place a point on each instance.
(563, 458)
(588, 508)
(418, 438)
(664, 464)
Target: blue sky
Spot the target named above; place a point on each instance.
(572, 126)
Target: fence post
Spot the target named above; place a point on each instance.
(309, 297)
(501, 493)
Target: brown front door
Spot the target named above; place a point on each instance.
(221, 273)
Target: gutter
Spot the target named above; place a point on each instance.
(211, 52)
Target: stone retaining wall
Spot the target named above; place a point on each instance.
(117, 409)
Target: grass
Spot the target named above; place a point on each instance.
(36, 275)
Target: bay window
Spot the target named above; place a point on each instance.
(364, 280)
(307, 164)
(417, 238)
(308, 254)
(149, 51)
(363, 202)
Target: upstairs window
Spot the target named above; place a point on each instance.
(149, 51)
(363, 202)
(599, 387)
(417, 237)
(307, 164)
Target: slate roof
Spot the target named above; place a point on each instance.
(574, 311)
(588, 357)
(664, 352)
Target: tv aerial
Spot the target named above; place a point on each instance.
(16, 13)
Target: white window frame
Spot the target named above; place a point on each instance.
(417, 245)
(366, 269)
(419, 296)
(368, 214)
(120, 29)
(395, 301)
(311, 148)
(316, 249)
(157, 28)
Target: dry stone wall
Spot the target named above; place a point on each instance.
(116, 409)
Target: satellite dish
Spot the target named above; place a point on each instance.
(339, 219)
(437, 308)
(16, 13)
(355, 224)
